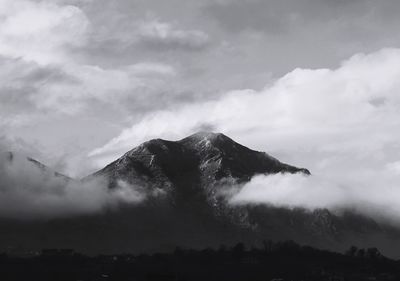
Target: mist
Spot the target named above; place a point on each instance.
(29, 190)
(375, 195)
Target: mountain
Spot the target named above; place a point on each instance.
(184, 183)
(193, 171)
(191, 174)
(198, 162)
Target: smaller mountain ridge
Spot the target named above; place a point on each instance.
(20, 160)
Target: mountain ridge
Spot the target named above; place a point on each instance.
(11, 157)
(205, 152)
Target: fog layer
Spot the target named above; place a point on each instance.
(29, 190)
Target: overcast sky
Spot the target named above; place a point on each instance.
(313, 82)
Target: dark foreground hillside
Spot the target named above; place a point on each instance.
(275, 261)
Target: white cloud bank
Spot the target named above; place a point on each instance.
(41, 64)
(325, 107)
(343, 124)
(39, 31)
(376, 195)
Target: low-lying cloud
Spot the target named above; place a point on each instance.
(30, 191)
(369, 195)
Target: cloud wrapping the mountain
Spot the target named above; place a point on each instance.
(375, 194)
(28, 191)
(342, 124)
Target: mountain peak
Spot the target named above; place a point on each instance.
(207, 135)
(201, 159)
(206, 139)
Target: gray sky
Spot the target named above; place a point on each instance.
(85, 80)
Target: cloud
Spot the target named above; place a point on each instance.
(41, 72)
(372, 193)
(21, 83)
(30, 191)
(147, 37)
(58, 91)
(158, 34)
(304, 103)
(40, 31)
(343, 124)
(150, 68)
(52, 91)
(286, 16)
(107, 86)
(29, 88)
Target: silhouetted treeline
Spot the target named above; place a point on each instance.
(274, 261)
